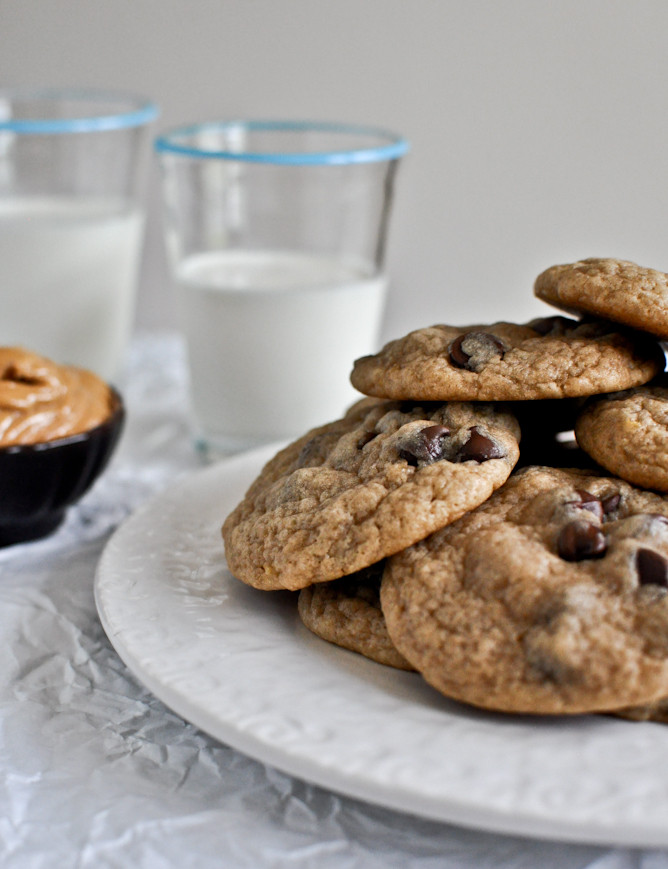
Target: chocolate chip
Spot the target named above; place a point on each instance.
(474, 350)
(548, 665)
(611, 502)
(580, 540)
(587, 501)
(425, 446)
(652, 568)
(479, 448)
(457, 356)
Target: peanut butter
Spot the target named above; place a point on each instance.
(41, 401)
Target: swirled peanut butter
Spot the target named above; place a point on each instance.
(41, 401)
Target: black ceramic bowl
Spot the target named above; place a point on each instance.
(38, 482)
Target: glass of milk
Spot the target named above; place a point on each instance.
(276, 234)
(71, 224)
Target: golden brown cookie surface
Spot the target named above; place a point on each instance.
(350, 493)
(550, 598)
(614, 289)
(347, 612)
(553, 357)
(627, 433)
(657, 711)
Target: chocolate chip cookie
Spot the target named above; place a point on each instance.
(351, 492)
(610, 288)
(551, 597)
(553, 357)
(347, 612)
(627, 433)
(657, 711)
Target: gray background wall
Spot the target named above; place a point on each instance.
(539, 130)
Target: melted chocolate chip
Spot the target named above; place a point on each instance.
(587, 501)
(457, 356)
(473, 350)
(652, 568)
(611, 502)
(578, 541)
(425, 446)
(479, 448)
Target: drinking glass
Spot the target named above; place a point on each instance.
(71, 224)
(276, 234)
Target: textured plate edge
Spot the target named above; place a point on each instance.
(464, 814)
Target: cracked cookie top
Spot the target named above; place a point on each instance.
(550, 598)
(614, 289)
(356, 490)
(347, 612)
(627, 433)
(551, 357)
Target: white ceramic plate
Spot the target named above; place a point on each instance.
(238, 664)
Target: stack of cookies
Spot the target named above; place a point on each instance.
(419, 533)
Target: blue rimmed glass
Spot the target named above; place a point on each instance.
(276, 233)
(72, 164)
(50, 111)
(296, 143)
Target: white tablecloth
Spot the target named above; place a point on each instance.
(97, 773)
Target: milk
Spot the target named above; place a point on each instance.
(68, 270)
(271, 337)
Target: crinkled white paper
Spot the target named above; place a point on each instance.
(98, 773)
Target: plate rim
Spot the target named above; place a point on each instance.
(460, 812)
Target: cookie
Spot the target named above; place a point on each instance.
(610, 288)
(351, 492)
(347, 612)
(657, 711)
(553, 357)
(550, 598)
(627, 433)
